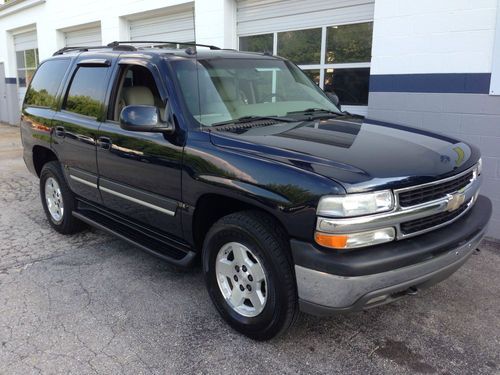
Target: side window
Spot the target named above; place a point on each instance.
(87, 90)
(43, 88)
(135, 86)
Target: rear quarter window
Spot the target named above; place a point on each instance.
(43, 88)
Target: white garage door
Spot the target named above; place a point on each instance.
(90, 37)
(25, 41)
(176, 27)
(26, 47)
(263, 16)
(330, 40)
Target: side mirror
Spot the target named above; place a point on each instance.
(333, 98)
(144, 118)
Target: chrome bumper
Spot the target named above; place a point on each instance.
(322, 293)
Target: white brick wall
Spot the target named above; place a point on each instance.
(433, 36)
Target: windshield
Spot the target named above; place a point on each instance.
(229, 89)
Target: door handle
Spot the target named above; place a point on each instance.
(104, 143)
(60, 132)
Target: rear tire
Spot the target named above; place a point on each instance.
(57, 199)
(249, 274)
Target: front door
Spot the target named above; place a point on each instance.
(139, 172)
(76, 124)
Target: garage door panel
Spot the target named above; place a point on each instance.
(83, 37)
(24, 41)
(174, 27)
(254, 17)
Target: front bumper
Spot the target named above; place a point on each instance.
(329, 282)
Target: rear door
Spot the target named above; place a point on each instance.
(140, 172)
(77, 122)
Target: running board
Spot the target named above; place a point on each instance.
(161, 249)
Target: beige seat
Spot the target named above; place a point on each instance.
(137, 95)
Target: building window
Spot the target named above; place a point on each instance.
(336, 57)
(257, 43)
(302, 46)
(27, 61)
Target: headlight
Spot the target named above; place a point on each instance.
(356, 204)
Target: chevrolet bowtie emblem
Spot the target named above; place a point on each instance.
(455, 200)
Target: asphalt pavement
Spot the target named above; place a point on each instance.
(91, 303)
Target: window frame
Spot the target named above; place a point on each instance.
(122, 66)
(322, 66)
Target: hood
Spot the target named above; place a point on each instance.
(361, 155)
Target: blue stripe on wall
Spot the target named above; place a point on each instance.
(461, 83)
(10, 81)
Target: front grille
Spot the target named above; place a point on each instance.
(417, 225)
(434, 191)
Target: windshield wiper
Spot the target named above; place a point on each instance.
(310, 111)
(245, 119)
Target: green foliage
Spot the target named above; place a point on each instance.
(301, 46)
(84, 105)
(257, 43)
(40, 98)
(349, 43)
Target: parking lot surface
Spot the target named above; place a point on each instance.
(91, 303)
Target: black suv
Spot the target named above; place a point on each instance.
(240, 160)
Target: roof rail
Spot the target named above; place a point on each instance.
(159, 43)
(82, 48)
(126, 46)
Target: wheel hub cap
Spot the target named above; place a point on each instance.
(54, 200)
(241, 279)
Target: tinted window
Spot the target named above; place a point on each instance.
(87, 91)
(43, 89)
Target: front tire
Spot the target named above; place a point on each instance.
(249, 274)
(57, 199)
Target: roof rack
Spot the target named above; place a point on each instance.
(82, 48)
(159, 43)
(126, 46)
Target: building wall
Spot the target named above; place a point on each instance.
(214, 23)
(431, 69)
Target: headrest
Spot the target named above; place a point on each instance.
(227, 88)
(138, 95)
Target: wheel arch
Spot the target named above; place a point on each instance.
(41, 156)
(211, 207)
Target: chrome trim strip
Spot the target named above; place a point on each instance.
(397, 216)
(138, 201)
(82, 181)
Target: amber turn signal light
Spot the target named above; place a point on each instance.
(338, 241)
